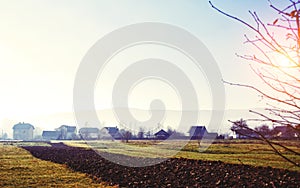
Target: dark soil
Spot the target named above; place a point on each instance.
(170, 173)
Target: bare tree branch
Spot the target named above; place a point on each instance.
(277, 64)
(270, 143)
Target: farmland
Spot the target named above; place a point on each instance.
(250, 152)
(232, 163)
(173, 172)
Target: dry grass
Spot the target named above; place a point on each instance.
(18, 168)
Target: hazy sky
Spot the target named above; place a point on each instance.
(43, 41)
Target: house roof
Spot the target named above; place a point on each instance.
(69, 128)
(23, 126)
(50, 134)
(161, 133)
(197, 129)
(281, 128)
(89, 130)
(285, 131)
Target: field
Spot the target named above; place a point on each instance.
(18, 168)
(173, 172)
(223, 164)
(250, 152)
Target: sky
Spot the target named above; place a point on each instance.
(42, 43)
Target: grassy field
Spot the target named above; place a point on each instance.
(18, 168)
(251, 152)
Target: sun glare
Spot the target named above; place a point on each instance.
(283, 62)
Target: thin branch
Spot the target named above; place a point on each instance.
(264, 94)
(263, 138)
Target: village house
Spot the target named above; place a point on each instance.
(161, 135)
(110, 133)
(89, 133)
(23, 131)
(199, 132)
(51, 135)
(285, 132)
(66, 132)
(245, 134)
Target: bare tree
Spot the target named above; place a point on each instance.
(125, 135)
(264, 130)
(241, 129)
(276, 61)
(175, 134)
(141, 133)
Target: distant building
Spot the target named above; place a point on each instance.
(51, 135)
(66, 132)
(245, 134)
(284, 132)
(89, 133)
(110, 133)
(23, 131)
(211, 136)
(199, 132)
(161, 135)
